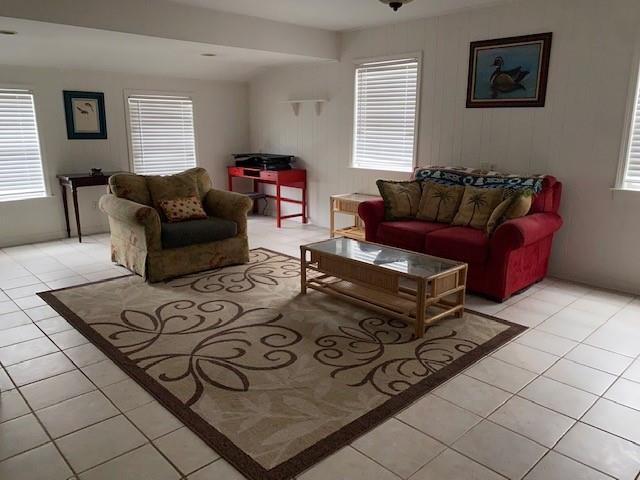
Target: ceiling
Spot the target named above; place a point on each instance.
(40, 44)
(337, 14)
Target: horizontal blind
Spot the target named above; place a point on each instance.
(20, 159)
(161, 134)
(385, 114)
(632, 172)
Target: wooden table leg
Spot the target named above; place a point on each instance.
(304, 204)
(303, 270)
(332, 220)
(278, 211)
(66, 209)
(74, 193)
(420, 307)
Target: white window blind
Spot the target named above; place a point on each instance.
(385, 114)
(161, 134)
(631, 178)
(20, 160)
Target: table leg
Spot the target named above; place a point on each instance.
(420, 307)
(304, 204)
(74, 192)
(255, 202)
(303, 270)
(332, 220)
(230, 183)
(66, 209)
(278, 212)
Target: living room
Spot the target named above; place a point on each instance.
(413, 347)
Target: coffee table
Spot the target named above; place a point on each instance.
(414, 287)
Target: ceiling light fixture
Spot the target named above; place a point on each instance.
(395, 4)
(7, 32)
(208, 54)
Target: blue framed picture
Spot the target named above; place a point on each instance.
(84, 112)
(509, 72)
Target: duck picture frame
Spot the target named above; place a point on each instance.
(509, 72)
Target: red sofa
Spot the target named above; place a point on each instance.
(514, 257)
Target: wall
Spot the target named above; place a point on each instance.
(576, 137)
(221, 123)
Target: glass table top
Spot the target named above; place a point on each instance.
(403, 261)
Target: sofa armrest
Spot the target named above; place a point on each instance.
(372, 213)
(526, 230)
(230, 206)
(142, 221)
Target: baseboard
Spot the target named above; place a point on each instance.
(12, 241)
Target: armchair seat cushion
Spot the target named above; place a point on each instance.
(190, 232)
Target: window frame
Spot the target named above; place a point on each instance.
(633, 96)
(166, 93)
(358, 62)
(35, 93)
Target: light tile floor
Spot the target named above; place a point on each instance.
(561, 401)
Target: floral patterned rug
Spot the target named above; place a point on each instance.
(273, 380)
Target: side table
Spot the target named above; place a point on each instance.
(347, 203)
(75, 181)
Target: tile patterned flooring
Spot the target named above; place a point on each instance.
(560, 401)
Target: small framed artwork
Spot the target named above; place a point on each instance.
(85, 115)
(509, 72)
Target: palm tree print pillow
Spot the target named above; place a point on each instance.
(439, 203)
(401, 199)
(477, 205)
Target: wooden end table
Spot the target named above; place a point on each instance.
(75, 181)
(413, 287)
(348, 203)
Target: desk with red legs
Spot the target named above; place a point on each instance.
(293, 178)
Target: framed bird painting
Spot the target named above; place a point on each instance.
(85, 115)
(509, 72)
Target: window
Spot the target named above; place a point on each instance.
(161, 134)
(629, 176)
(20, 160)
(385, 117)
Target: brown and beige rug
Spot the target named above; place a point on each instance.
(272, 380)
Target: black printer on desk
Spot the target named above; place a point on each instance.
(264, 161)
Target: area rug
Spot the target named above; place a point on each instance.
(272, 380)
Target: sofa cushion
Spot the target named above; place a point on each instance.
(464, 244)
(408, 234)
(169, 187)
(130, 187)
(175, 235)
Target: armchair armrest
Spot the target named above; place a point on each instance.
(230, 206)
(372, 213)
(526, 230)
(142, 221)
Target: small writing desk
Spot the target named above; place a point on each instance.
(75, 181)
(295, 178)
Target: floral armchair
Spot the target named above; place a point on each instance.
(155, 249)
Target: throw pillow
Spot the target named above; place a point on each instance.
(170, 187)
(476, 206)
(521, 204)
(181, 209)
(439, 203)
(401, 199)
(498, 214)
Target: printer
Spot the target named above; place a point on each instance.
(263, 161)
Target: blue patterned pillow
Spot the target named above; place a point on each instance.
(479, 178)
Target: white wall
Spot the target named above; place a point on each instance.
(576, 137)
(221, 123)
